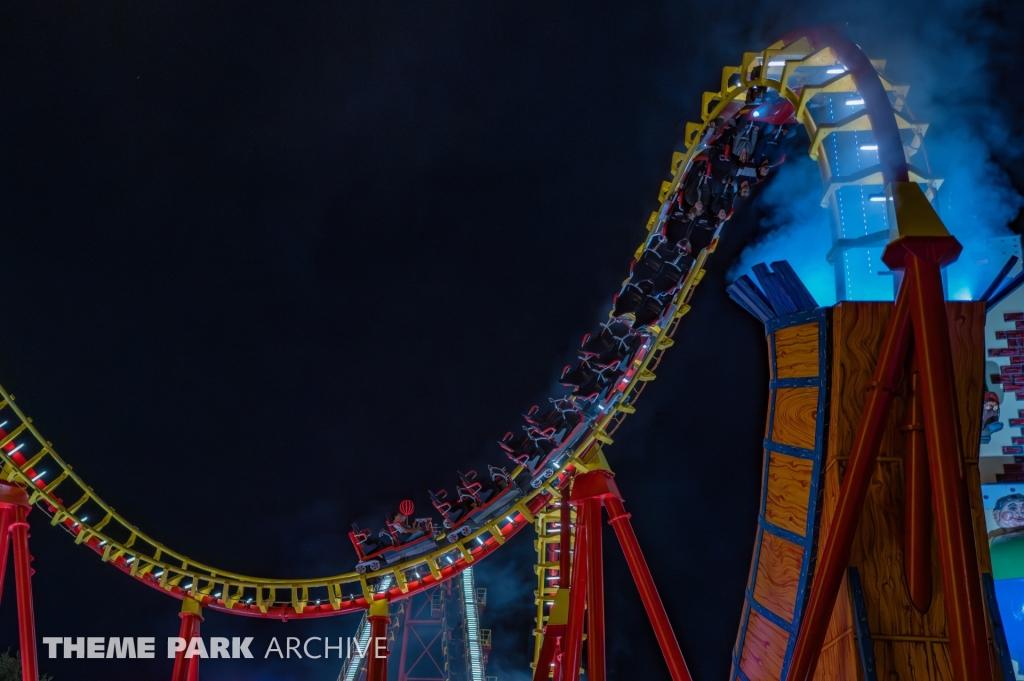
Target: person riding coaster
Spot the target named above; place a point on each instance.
(399, 539)
(563, 416)
(478, 502)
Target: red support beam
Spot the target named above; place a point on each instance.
(917, 515)
(564, 539)
(14, 509)
(185, 668)
(595, 594)
(23, 580)
(619, 519)
(572, 656)
(377, 667)
(558, 672)
(548, 652)
(6, 518)
(961, 578)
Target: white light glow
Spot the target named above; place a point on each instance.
(476, 656)
(354, 663)
(836, 71)
(869, 147)
(877, 199)
(854, 102)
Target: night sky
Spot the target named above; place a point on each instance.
(269, 268)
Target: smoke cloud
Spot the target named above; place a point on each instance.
(947, 52)
(794, 227)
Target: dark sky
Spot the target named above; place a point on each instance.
(273, 267)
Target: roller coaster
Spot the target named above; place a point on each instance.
(558, 477)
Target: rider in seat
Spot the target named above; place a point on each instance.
(400, 528)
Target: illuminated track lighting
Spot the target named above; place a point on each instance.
(353, 664)
(476, 663)
(39, 476)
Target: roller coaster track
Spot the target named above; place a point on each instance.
(795, 68)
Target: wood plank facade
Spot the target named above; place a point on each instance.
(794, 442)
(813, 415)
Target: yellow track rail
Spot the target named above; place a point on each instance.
(92, 522)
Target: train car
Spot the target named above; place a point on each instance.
(548, 437)
(392, 544)
(477, 503)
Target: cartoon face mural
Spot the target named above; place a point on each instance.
(1009, 512)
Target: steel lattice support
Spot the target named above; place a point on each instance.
(420, 625)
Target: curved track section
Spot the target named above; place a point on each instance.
(786, 77)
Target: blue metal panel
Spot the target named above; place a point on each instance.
(860, 623)
(782, 533)
(774, 290)
(746, 293)
(789, 279)
(789, 450)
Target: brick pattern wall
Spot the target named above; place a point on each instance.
(1011, 378)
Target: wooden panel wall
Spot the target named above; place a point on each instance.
(794, 442)
(907, 645)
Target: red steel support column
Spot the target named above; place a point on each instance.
(834, 555)
(961, 579)
(595, 594)
(23, 580)
(193, 665)
(187, 669)
(619, 519)
(14, 509)
(377, 667)
(6, 516)
(573, 640)
(917, 515)
(558, 672)
(548, 650)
